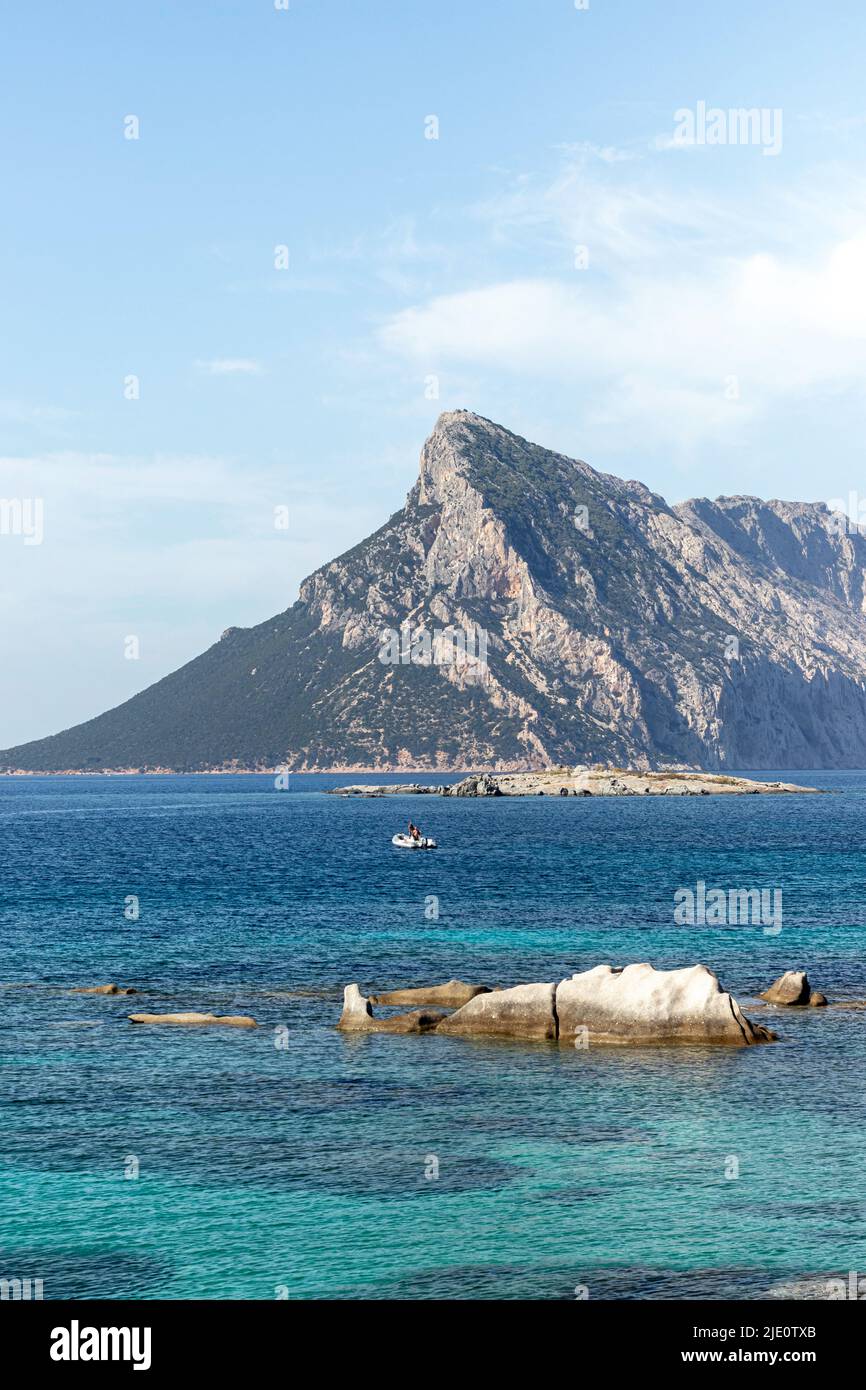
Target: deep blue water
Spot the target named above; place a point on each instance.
(300, 1168)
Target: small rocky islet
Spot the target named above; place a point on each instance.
(586, 781)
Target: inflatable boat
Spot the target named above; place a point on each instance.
(403, 841)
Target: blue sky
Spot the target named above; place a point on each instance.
(711, 337)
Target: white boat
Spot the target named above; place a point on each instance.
(403, 841)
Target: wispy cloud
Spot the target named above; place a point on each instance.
(779, 325)
(681, 317)
(49, 420)
(621, 209)
(229, 366)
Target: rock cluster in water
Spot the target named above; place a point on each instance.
(608, 1004)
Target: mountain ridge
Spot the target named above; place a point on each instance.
(712, 633)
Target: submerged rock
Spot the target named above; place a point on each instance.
(808, 1289)
(451, 995)
(104, 989)
(793, 989)
(639, 1004)
(230, 1020)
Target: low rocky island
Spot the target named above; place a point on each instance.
(586, 781)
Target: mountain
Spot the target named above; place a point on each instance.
(717, 634)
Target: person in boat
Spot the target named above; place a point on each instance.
(414, 832)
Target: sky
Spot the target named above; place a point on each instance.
(249, 251)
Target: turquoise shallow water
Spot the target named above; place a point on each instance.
(299, 1170)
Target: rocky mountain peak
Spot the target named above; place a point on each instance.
(605, 625)
(457, 437)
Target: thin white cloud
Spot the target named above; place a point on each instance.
(50, 421)
(669, 141)
(617, 208)
(230, 366)
(587, 150)
(672, 316)
(672, 348)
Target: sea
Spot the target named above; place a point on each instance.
(292, 1161)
